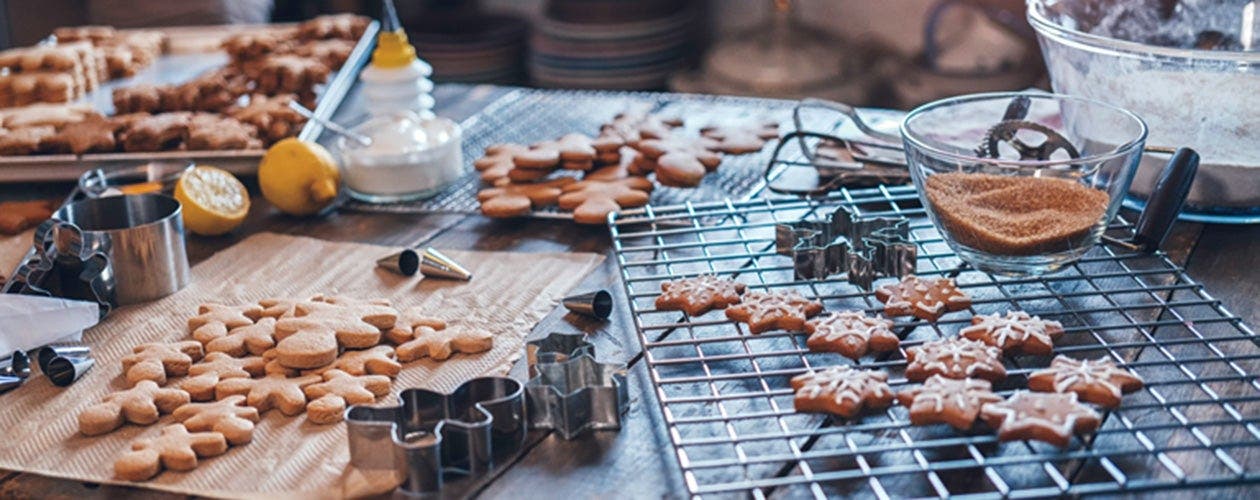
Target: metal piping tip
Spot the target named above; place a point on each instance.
(597, 304)
(434, 264)
(406, 262)
(63, 371)
(47, 353)
(8, 383)
(18, 365)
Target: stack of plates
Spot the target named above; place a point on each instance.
(474, 48)
(611, 44)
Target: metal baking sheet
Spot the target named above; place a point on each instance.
(175, 68)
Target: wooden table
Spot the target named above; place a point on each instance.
(637, 461)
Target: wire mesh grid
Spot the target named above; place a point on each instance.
(527, 116)
(726, 400)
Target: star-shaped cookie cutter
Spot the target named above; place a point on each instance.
(863, 247)
(67, 263)
(430, 434)
(569, 391)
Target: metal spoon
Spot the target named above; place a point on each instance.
(330, 125)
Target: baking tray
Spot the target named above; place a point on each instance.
(728, 409)
(176, 68)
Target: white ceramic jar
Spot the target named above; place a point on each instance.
(411, 157)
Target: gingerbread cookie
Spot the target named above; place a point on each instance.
(272, 116)
(742, 138)
(160, 132)
(1048, 417)
(699, 295)
(577, 152)
(93, 135)
(157, 361)
(139, 98)
(764, 311)
(290, 74)
(214, 320)
(18, 216)
(515, 200)
(217, 133)
(333, 53)
(1016, 332)
(253, 339)
(841, 390)
(312, 345)
(411, 319)
(681, 161)
(441, 344)
(1097, 381)
(271, 391)
(343, 26)
(330, 397)
(24, 141)
(140, 405)
(272, 366)
(174, 449)
(217, 366)
(591, 201)
(45, 115)
(358, 324)
(949, 401)
(495, 164)
(252, 44)
(377, 360)
(924, 298)
(277, 308)
(851, 334)
(634, 126)
(954, 358)
(227, 416)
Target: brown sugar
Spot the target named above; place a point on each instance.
(1015, 215)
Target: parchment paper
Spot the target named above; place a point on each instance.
(509, 294)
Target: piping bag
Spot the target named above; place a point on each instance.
(30, 321)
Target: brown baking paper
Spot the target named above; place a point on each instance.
(508, 295)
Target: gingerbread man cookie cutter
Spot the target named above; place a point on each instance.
(863, 247)
(431, 434)
(67, 262)
(569, 391)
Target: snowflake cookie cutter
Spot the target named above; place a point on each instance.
(863, 247)
(430, 434)
(569, 391)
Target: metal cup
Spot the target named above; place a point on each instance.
(143, 235)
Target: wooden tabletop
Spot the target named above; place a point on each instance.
(637, 461)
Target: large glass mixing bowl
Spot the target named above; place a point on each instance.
(1205, 99)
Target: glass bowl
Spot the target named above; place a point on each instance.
(1014, 216)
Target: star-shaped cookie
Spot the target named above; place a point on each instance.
(1048, 417)
(841, 390)
(1015, 332)
(699, 295)
(764, 311)
(851, 334)
(954, 358)
(924, 298)
(948, 401)
(1097, 381)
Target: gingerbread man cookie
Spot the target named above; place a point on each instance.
(851, 334)
(377, 360)
(157, 361)
(227, 416)
(277, 308)
(842, 390)
(742, 138)
(311, 345)
(411, 319)
(495, 164)
(441, 344)
(954, 358)
(681, 161)
(515, 200)
(698, 295)
(272, 116)
(949, 401)
(1015, 332)
(253, 339)
(214, 320)
(271, 391)
(1097, 381)
(784, 310)
(591, 201)
(160, 132)
(217, 133)
(174, 449)
(1048, 417)
(204, 376)
(328, 399)
(140, 405)
(925, 298)
(93, 135)
(357, 324)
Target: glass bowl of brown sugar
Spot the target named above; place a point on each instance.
(1022, 183)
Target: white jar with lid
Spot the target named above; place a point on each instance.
(396, 80)
(411, 157)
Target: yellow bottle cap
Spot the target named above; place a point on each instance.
(393, 50)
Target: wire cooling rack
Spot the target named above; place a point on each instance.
(527, 116)
(726, 401)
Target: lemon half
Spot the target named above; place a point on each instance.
(214, 201)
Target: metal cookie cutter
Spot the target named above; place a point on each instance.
(68, 263)
(570, 392)
(430, 433)
(863, 247)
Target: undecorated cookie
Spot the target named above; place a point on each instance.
(227, 416)
(140, 405)
(328, 399)
(174, 449)
(156, 361)
(441, 344)
(204, 376)
(272, 391)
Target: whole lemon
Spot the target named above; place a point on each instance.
(213, 201)
(298, 177)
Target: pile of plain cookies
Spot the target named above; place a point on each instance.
(616, 166)
(241, 106)
(315, 356)
(956, 373)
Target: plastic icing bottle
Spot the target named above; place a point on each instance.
(396, 80)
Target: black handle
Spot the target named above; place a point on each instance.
(1166, 200)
